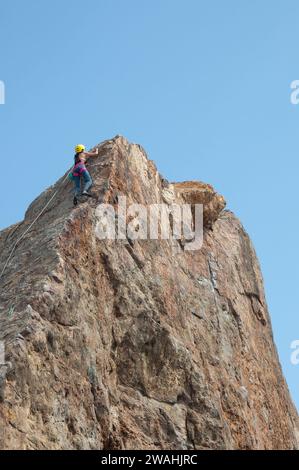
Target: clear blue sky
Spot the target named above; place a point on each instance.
(204, 86)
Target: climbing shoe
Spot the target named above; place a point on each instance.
(75, 201)
(85, 193)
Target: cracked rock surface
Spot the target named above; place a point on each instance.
(111, 344)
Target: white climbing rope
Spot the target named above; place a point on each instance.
(31, 225)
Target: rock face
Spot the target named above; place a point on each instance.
(116, 344)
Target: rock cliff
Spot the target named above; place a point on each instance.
(125, 344)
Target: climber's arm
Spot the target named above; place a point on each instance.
(92, 154)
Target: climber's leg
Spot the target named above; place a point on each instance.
(87, 183)
(77, 189)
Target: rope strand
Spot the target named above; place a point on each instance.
(30, 226)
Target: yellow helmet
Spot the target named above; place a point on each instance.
(79, 148)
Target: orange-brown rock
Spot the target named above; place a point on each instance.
(116, 344)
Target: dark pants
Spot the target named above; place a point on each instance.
(87, 182)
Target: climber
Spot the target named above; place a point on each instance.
(79, 170)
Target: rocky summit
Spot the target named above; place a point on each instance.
(136, 343)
